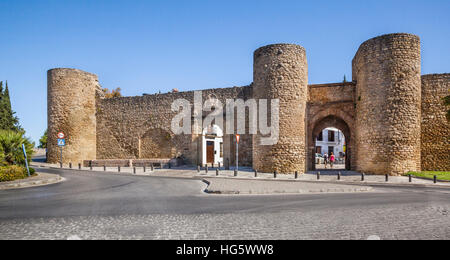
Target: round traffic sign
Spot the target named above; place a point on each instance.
(61, 135)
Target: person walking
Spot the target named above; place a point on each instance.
(325, 159)
(332, 159)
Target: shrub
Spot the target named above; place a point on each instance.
(447, 103)
(12, 172)
(11, 148)
(113, 93)
(2, 157)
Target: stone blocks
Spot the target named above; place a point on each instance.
(71, 101)
(388, 104)
(435, 126)
(281, 72)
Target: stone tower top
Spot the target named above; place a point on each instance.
(72, 71)
(278, 48)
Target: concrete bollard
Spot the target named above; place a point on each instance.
(235, 173)
(70, 165)
(362, 176)
(152, 167)
(206, 168)
(410, 178)
(198, 168)
(435, 179)
(145, 169)
(217, 172)
(296, 174)
(318, 175)
(387, 177)
(275, 174)
(256, 174)
(79, 166)
(134, 170)
(104, 168)
(118, 168)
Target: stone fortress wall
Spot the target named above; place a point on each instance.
(393, 119)
(140, 127)
(435, 126)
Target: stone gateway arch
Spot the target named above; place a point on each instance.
(393, 118)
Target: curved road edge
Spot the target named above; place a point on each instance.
(263, 187)
(41, 179)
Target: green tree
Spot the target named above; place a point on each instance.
(2, 157)
(8, 120)
(447, 103)
(11, 152)
(43, 140)
(2, 107)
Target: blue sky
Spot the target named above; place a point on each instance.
(151, 46)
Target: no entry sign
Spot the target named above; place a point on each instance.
(61, 135)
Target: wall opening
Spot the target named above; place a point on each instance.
(212, 145)
(330, 134)
(330, 142)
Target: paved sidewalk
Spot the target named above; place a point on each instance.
(347, 177)
(39, 180)
(240, 186)
(179, 172)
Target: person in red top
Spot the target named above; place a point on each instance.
(332, 158)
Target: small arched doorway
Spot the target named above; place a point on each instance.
(331, 122)
(212, 145)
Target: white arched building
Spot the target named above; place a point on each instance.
(331, 140)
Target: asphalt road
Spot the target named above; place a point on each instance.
(105, 206)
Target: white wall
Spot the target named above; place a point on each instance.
(339, 141)
(215, 130)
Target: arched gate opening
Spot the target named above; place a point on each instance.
(330, 121)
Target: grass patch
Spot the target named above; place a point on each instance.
(445, 176)
(14, 172)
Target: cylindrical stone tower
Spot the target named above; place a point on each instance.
(71, 110)
(281, 72)
(388, 104)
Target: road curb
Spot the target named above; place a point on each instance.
(200, 177)
(365, 183)
(309, 190)
(29, 183)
